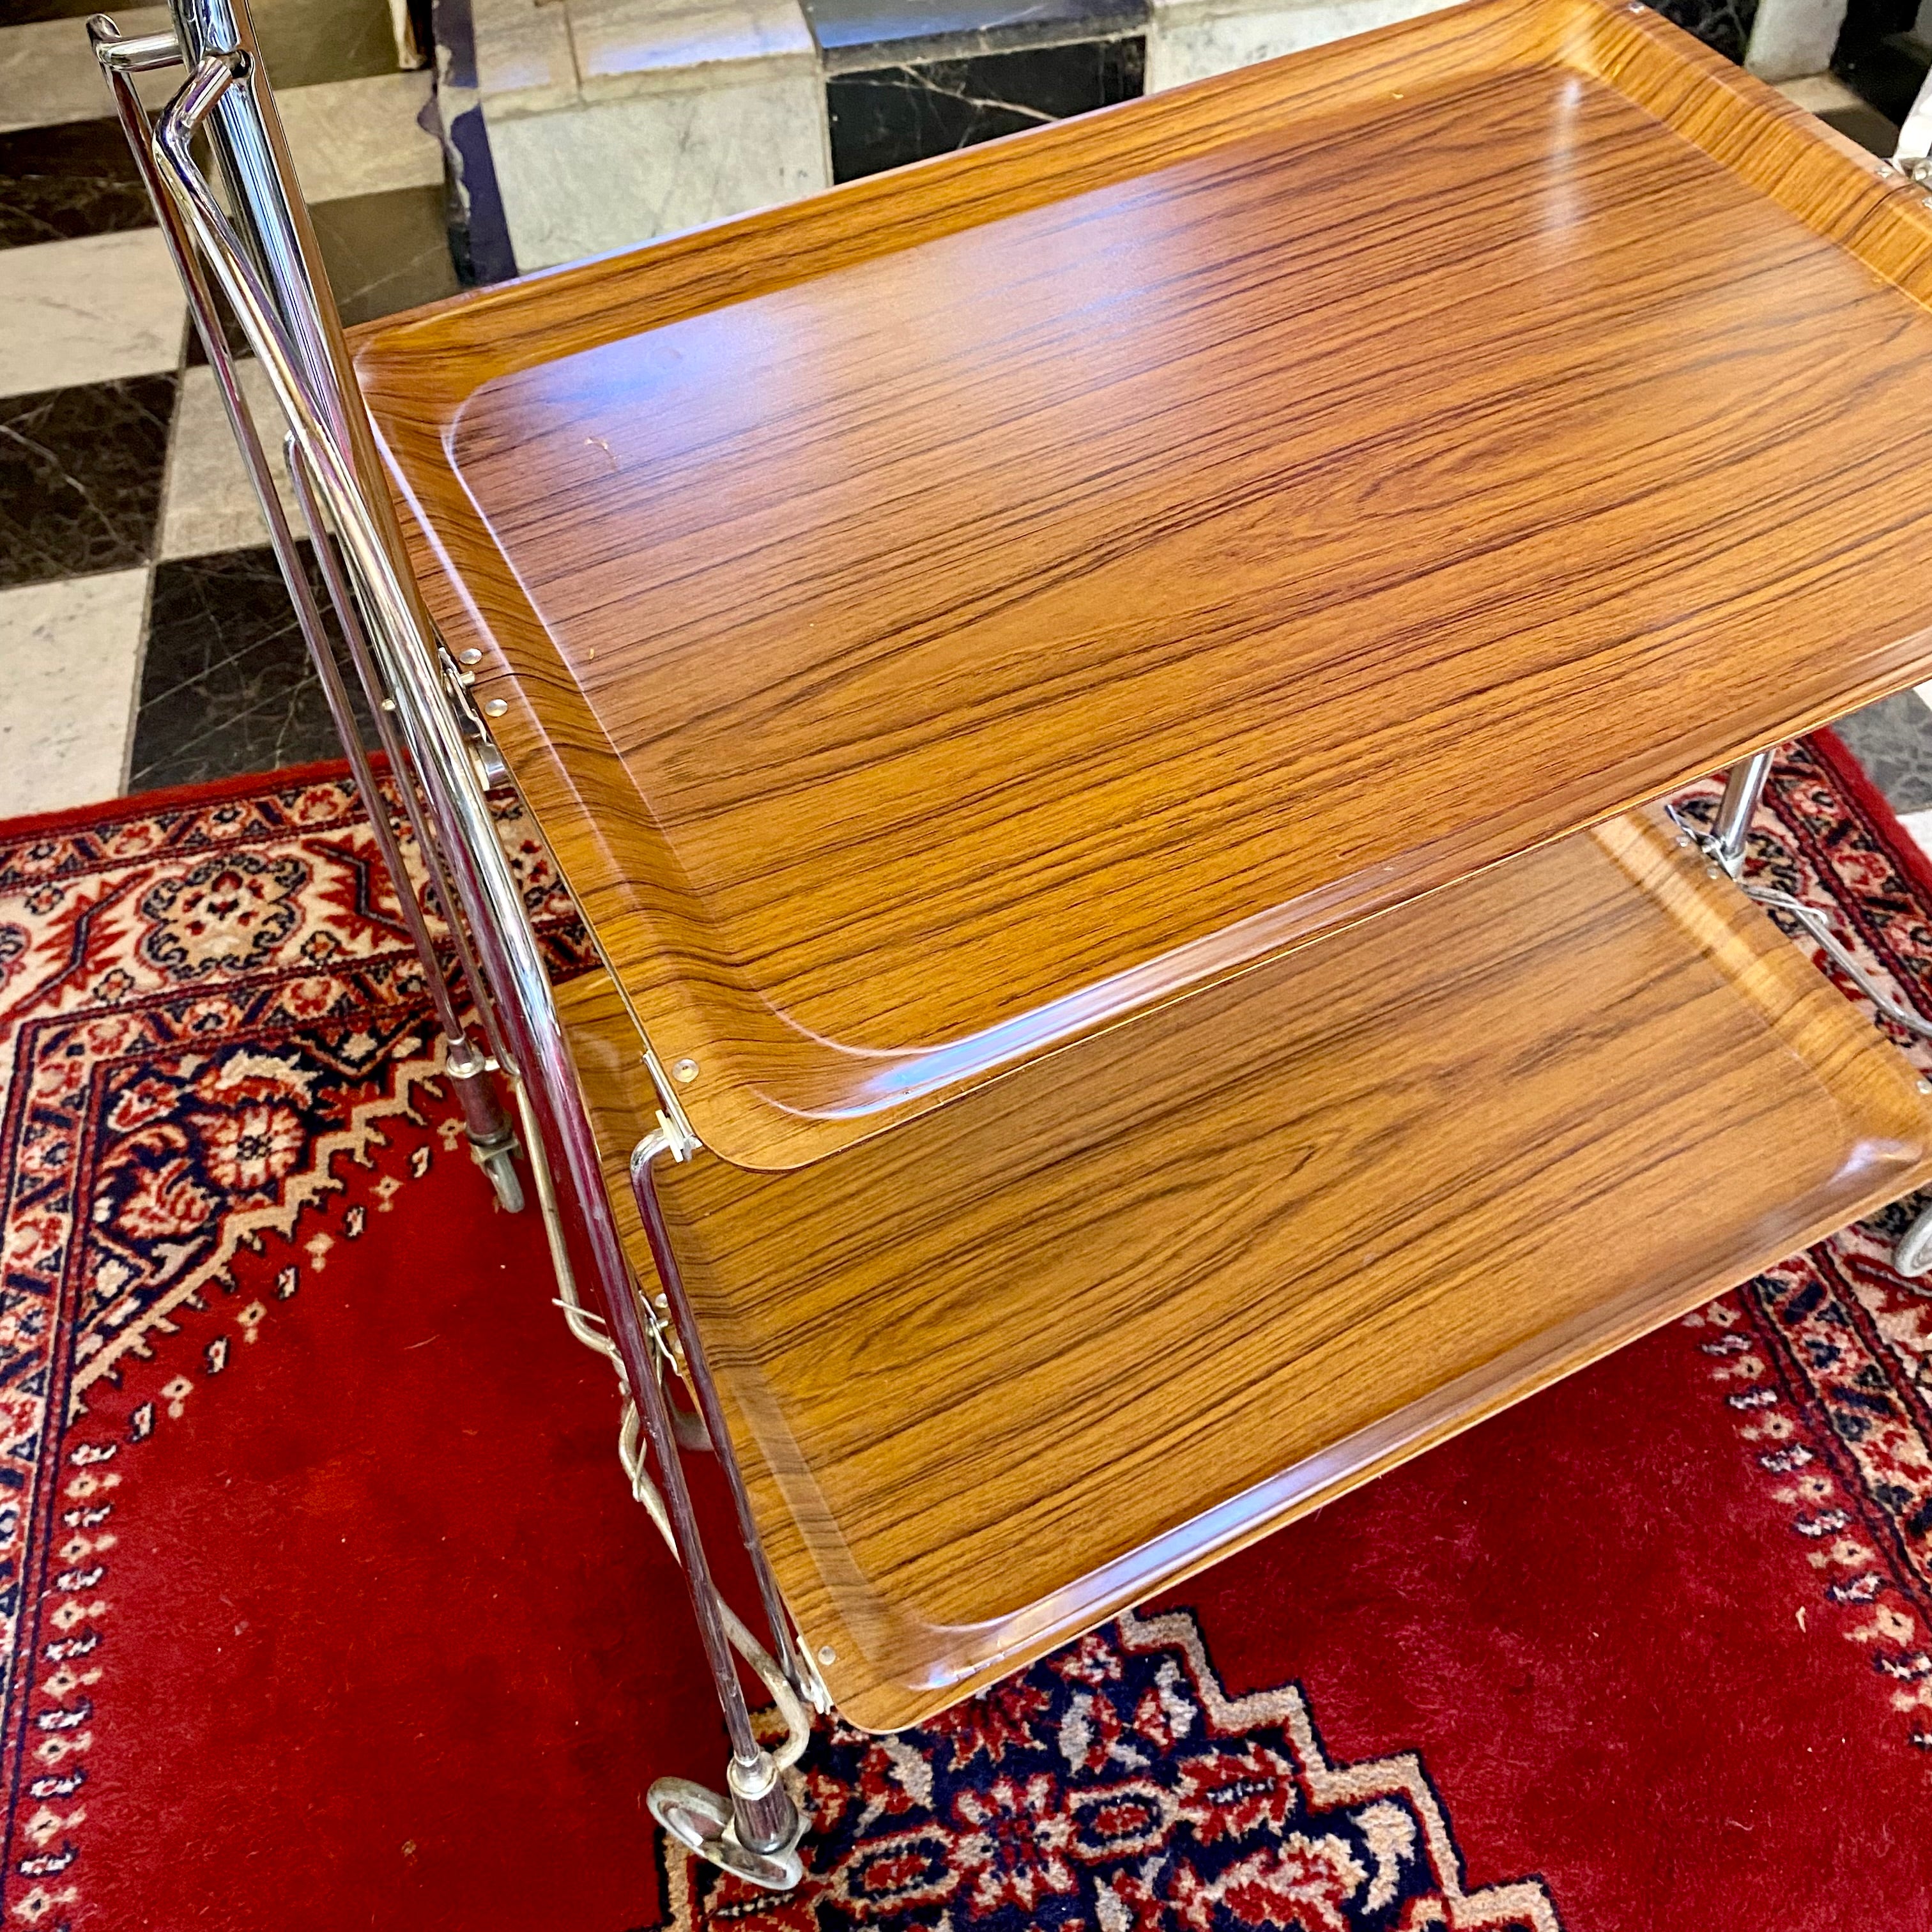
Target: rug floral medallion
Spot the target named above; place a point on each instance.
(1117, 1785)
(212, 1029)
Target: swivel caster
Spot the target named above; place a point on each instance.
(501, 1168)
(492, 1140)
(1913, 1254)
(701, 1820)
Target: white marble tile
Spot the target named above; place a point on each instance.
(624, 46)
(1792, 37)
(614, 174)
(87, 310)
(360, 137)
(70, 654)
(1192, 39)
(48, 72)
(208, 503)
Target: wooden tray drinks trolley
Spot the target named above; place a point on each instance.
(1101, 699)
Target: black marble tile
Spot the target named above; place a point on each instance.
(857, 35)
(887, 116)
(80, 477)
(226, 686)
(20, 12)
(1887, 73)
(59, 182)
(385, 252)
(1725, 25)
(1892, 740)
(1865, 125)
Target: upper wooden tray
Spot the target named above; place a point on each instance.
(940, 618)
(1000, 1373)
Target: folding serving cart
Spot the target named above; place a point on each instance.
(1099, 697)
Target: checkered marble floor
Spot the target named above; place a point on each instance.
(146, 639)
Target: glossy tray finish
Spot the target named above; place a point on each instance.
(943, 617)
(1001, 1373)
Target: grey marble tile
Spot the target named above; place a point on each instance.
(385, 252)
(226, 685)
(306, 42)
(887, 116)
(48, 72)
(353, 137)
(77, 178)
(1892, 740)
(71, 650)
(80, 477)
(621, 47)
(857, 35)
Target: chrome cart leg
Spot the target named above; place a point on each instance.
(1725, 845)
(754, 1831)
(644, 1188)
(1727, 842)
(492, 1140)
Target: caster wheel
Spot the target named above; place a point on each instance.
(700, 1821)
(1913, 1255)
(501, 1169)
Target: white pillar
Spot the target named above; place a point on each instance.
(1791, 37)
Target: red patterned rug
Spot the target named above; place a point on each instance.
(325, 1605)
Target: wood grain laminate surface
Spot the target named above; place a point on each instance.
(943, 617)
(998, 1374)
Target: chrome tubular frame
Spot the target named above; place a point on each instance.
(492, 1140)
(265, 261)
(1725, 846)
(1744, 792)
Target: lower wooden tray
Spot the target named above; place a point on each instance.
(1001, 1371)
